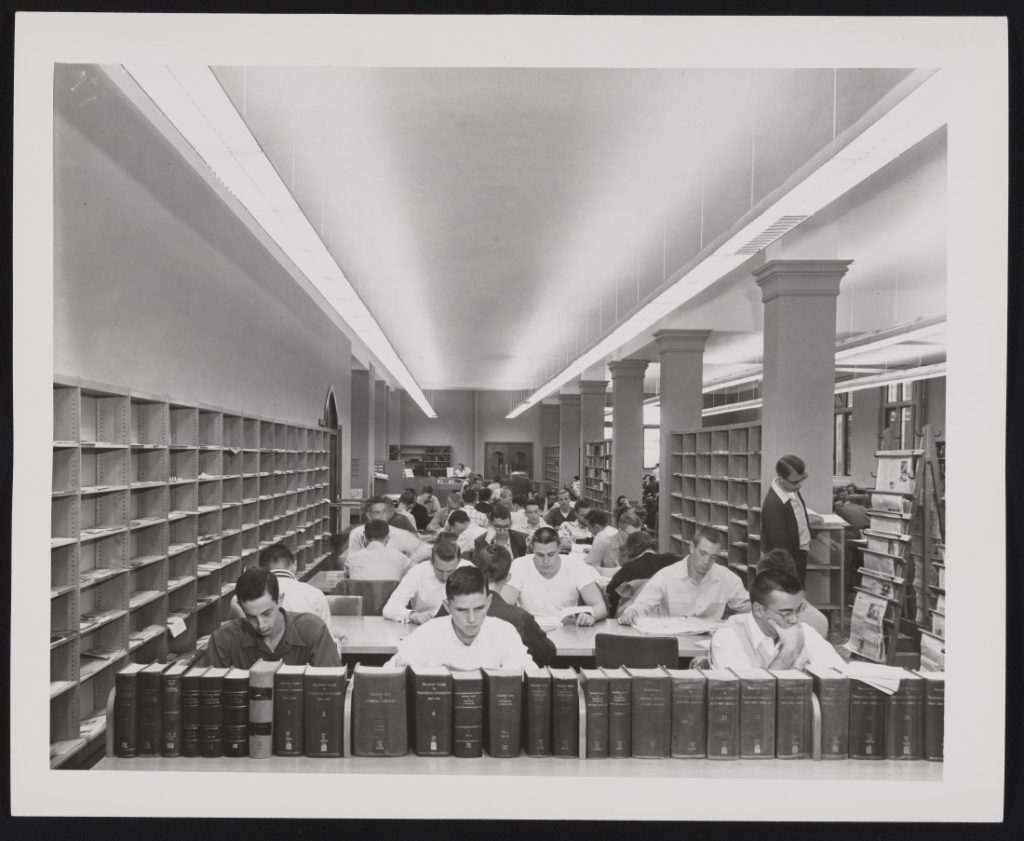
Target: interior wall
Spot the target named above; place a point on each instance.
(492, 406)
(159, 287)
(864, 436)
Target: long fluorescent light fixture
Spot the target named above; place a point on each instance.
(906, 124)
(193, 100)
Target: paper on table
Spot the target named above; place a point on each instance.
(675, 625)
(549, 623)
(882, 677)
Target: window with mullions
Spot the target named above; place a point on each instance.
(843, 419)
(901, 413)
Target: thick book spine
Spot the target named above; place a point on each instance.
(651, 716)
(904, 720)
(723, 718)
(468, 717)
(595, 693)
(149, 713)
(793, 718)
(934, 719)
(619, 716)
(170, 714)
(322, 716)
(432, 714)
(261, 712)
(379, 723)
(190, 713)
(236, 715)
(689, 718)
(757, 719)
(126, 714)
(537, 725)
(288, 708)
(504, 714)
(867, 721)
(565, 714)
(834, 698)
(211, 715)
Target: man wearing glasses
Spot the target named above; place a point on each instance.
(500, 533)
(785, 517)
(772, 635)
(695, 586)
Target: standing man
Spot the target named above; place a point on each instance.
(785, 518)
(267, 632)
(419, 594)
(499, 533)
(695, 586)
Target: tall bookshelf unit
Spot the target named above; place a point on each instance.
(157, 506)
(435, 458)
(597, 474)
(715, 480)
(551, 465)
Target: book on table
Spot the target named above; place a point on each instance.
(757, 713)
(620, 716)
(689, 714)
(595, 693)
(289, 705)
(379, 711)
(650, 713)
(126, 711)
(934, 714)
(904, 719)
(170, 708)
(149, 692)
(323, 713)
(833, 690)
(793, 713)
(261, 708)
(191, 741)
(236, 712)
(211, 712)
(723, 714)
(468, 713)
(565, 712)
(867, 721)
(430, 697)
(503, 689)
(537, 713)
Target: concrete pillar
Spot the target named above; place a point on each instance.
(681, 353)
(380, 417)
(799, 369)
(394, 419)
(627, 427)
(568, 438)
(363, 430)
(592, 398)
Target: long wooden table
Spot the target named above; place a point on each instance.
(377, 635)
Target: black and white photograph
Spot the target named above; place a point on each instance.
(546, 401)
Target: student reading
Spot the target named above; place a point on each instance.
(467, 638)
(267, 631)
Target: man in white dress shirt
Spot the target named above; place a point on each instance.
(419, 594)
(467, 638)
(401, 537)
(378, 561)
(545, 583)
(772, 635)
(465, 530)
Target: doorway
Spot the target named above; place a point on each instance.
(502, 458)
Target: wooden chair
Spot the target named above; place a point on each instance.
(345, 605)
(614, 650)
(374, 593)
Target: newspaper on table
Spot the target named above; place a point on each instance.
(676, 625)
(883, 678)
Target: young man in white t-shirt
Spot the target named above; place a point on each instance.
(545, 583)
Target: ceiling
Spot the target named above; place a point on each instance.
(498, 221)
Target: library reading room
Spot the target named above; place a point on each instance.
(499, 421)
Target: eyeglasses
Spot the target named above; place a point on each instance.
(700, 553)
(790, 614)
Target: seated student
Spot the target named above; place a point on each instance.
(430, 502)
(266, 631)
(295, 596)
(561, 511)
(695, 586)
(530, 518)
(439, 521)
(469, 500)
(467, 638)
(406, 501)
(402, 537)
(483, 500)
(419, 594)
(576, 530)
(609, 541)
(495, 562)
(466, 532)
(772, 635)
(460, 471)
(781, 559)
(499, 533)
(641, 562)
(545, 583)
(378, 561)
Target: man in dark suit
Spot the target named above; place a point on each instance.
(785, 517)
(494, 562)
(500, 533)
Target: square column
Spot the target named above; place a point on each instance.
(627, 427)
(568, 438)
(363, 430)
(592, 394)
(799, 299)
(380, 417)
(681, 353)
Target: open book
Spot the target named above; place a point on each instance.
(549, 623)
(675, 625)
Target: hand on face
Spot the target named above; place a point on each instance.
(791, 636)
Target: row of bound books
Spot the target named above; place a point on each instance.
(282, 710)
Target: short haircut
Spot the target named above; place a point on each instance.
(500, 512)
(450, 536)
(581, 503)
(563, 491)
(484, 495)
(455, 499)
(638, 543)
(790, 464)
(630, 518)
(428, 489)
(254, 582)
(709, 534)
(465, 581)
(598, 518)
(778, 559)
(276, 555)
(767, 582)
(545, 534)
(375, 500)
(376, 530)
(458, 516)
(531, 501)
(444, 550)
(408, 497)
(469, 496)
(493, 561)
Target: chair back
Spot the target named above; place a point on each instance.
(614, 650)
(374, 593)
(345, 605)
